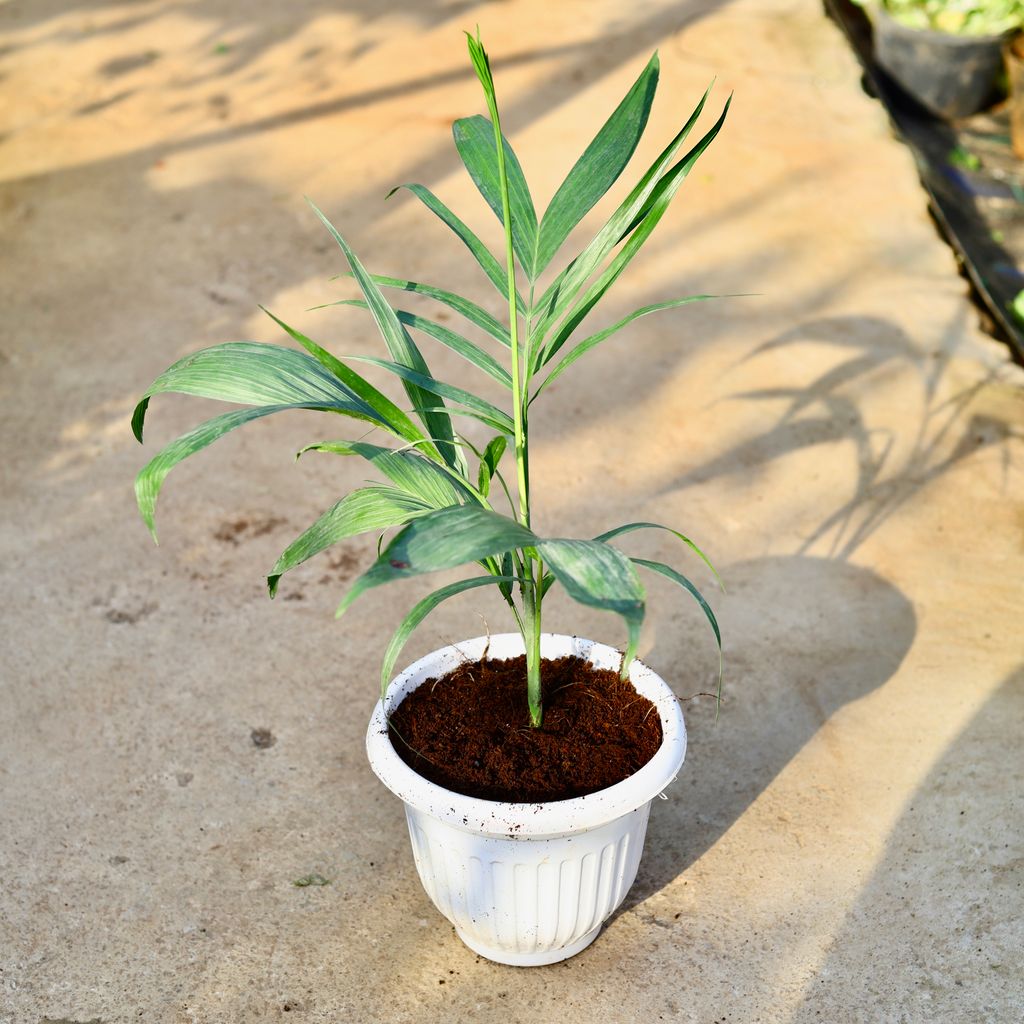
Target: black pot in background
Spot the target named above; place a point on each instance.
(951, 76)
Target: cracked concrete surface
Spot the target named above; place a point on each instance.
(177, 751)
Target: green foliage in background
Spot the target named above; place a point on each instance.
(442, 486)
(956, 17)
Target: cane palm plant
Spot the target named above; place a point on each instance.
(444, 509)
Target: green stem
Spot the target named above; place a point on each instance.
(518, 423)
(531, 584)
(533, 660)
(518, 617)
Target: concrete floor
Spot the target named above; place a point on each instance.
(844, 845)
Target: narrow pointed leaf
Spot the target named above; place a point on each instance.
(497, 473)
(150, 480)
(506, 566)
(600, 166)
(489, 462)
(466, 308)
(402, 348)
(487, 421)
(660, 199)
(598, 575)
(397, 421)
(677, 577)
(672, 178)
(421, 611)
(507, 182)
(488, 262)
(595, 339)
(426, 383)
(561, 292)
(442, 540)
(254, 374)
(669, 573)
(463, 346)
(474, 139)
(412, 473)
(369, 508)
(469, 351)
(631, 527)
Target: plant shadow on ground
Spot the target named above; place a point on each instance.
(813, 633)
(251, 39)
(942, 889)
(249, 35)
(890, 471)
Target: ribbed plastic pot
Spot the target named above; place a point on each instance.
(951, 76)
(527, 884)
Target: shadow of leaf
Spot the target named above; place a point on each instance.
(813, 634)
(893, 461)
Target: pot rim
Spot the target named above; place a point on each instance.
(533, 820)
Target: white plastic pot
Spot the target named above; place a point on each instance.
(527, 884)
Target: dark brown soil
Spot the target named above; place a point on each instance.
(470, 731)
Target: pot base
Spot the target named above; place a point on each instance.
(539, 959)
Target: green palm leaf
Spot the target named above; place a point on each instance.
(462, 346)
(369, 508)
(489, 459)
(561, 292)
(436, 486)
(600, 166)
(587, 344)
(426, 383)
(249, 373)
(488, 263)
(397, 421)
(474, 139)
(486, 420)
(631, 527)
(597, 575)
(402, 348)
(441, 540)
(660, 198)
(466, 308)
(151, 478)
(421, 611)
(676, 577)
(672, 178)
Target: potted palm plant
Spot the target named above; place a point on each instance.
(528, 765)
(946, 54)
